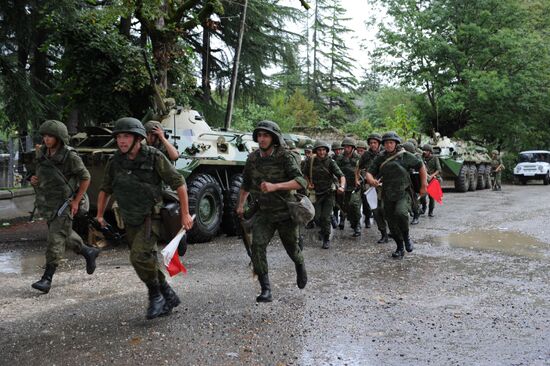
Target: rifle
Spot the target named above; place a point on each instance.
(108, 231)
(246, 222)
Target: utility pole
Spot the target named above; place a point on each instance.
(235, 71)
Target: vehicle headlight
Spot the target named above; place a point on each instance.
(518, 169)
(540, 168)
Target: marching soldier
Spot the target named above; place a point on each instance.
(270, 174)
(362, 147)
(391, 169)
(415, 207)
(60, 180)
(433, 168)
(321, 173)
(365, 162)
(157, 139)
(134, 176)
(496, 170)
(350, 202)
(337, 149)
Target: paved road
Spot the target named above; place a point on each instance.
(474, 291)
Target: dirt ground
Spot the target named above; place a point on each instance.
(474, 291)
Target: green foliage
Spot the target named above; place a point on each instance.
(362, 129)
(403, 122)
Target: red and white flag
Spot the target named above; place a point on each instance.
(170, 258)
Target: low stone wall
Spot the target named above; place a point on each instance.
(16, 203)
(328, 134)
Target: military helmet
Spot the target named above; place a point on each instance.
(129, 125)
(272, 128)
(391, 136)
(494, 152)
(362, 144)
(428, 147)
(374, 136)
(308, 147)
(408, 146)
(55, 128)
(290, 144)
(414, 142)
(348, 141)
(335, 146)
(151, 125)
(320, 143)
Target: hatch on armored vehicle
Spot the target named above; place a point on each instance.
(533, 165)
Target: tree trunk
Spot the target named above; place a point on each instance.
(205, 64)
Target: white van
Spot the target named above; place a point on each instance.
(533, 164)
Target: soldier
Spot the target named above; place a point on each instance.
(337, 149)
(60, 180)
(270, 174)
(409, 146)
(308, 151)
(321, 173)
(362, 146)
(350, 201)
(391, 168)
(496, 170)
(157, 139)
(366, 160)
(433, 168)
(134, 176)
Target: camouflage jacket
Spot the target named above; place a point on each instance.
(279, 167)
(137, 184)
(366, 159)
(324, 173)
(348, 165)
(395, 174)
(58, 177)
(495, 163)
(433, 165)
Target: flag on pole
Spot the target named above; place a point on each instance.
(435, 191)
(170, 258)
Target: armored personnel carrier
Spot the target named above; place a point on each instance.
(465, 166)
(211, 161)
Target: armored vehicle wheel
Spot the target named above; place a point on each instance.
(481, 177)
(206, 202)
(487, 176)
(230, 223)
(462, 182)
(546, 179)
(473, 178)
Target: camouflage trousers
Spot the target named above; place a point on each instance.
(428, 201)
(377, 213)
(350, 204)
(143, 252)
(496, 180)
(324, 205)
(60, 237)
(262, 232)
(397, 216)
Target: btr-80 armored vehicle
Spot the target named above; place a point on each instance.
(465, 165)
(211, 161)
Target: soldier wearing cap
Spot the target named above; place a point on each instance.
(374, 140)
(496, 170)
(157, 139)
(270, 175)
(433, 168)
(391, 170)
(324, 177)
(60, 180)
(350, 201)
(134, 177)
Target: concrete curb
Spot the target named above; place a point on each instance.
(16, 203)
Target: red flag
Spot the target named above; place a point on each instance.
(175, 266)
(170, 257)
(435, 191)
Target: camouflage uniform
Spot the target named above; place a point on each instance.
(58, 179)
(323, 174)
(149, 126)
(364, 163)
(395, 189)
(496, 161)
(432, 165)
(350, 203)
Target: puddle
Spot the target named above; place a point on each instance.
(508, 242)
(19, 263)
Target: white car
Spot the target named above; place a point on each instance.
(533, 165)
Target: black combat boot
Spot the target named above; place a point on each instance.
(265, 295)
(156, 301)
(384, 237)
(399, 252)
(409, 245)
(415, 219)
(334, 221)
(170, 297)
(45, 283)
(326, 242)
(431, 213)
(301, 275)
(357, 231)
(423, 210)
(342, 223)
(90, 254)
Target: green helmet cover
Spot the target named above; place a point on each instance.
(270, 127)
(391, 136)
(320, 143)
(129, 125)
(428, 147)
(151, 125)
(408, 146)
(362, 144)
(374, 136)
(348, 141)
(336, 145)
(55, 128)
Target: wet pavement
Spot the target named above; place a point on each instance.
(474, 291)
